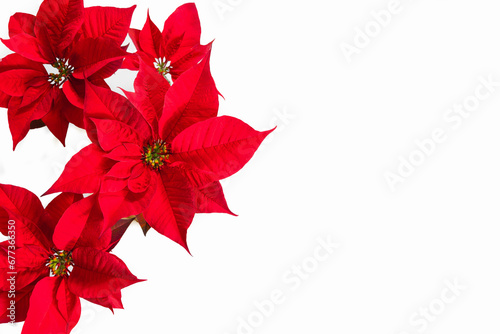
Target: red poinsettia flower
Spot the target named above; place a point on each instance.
(55, 255)
(173, 51)
(164, 164)
(42, 82)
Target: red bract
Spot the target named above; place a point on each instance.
(60, 255)
(164, 163)
(42, 83)
(173, 51)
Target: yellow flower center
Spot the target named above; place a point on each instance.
(60, 263)
(163, 67)
(63, 72)
(156, 155)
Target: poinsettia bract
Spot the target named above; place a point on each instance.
(165, 165)
(42, 83)
(60, 256)
(174, 50)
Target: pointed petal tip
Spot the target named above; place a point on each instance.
(15, 142)
(185, 246)
(269, 131)
(124, 91)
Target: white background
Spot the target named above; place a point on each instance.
(342, 126)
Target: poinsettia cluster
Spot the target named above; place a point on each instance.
(59, 258)
(156, 155)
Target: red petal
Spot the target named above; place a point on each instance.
(210, 198)
(4, 100)
(118, 230)
(25, 209)
(16, 61)
(45, 47)
(72, 114)
(108, 70)
(117, 205)
(55, 120)
(221, 145)
(150, 39)
(150, 88)
(60, 20)
(20, 23)
(35, 103)
(81, 226)
(197, 177)
(112, 184)
(126, 152)
(107, 22)
(140, 179)
(74, 90)
(131, 62)
(16, 82)
(111, 301)
(183, 24)
(171, 210)
(134, 36)
(72, 223)
(122, 170)
(19, 120)
(26, 46)
(91, 54)
(104, 104)
(82, 174)
(53, 309)
(60, 204)
(152, 84)
(112, 133)
(68, 305)
(99, 276)
(191, 99)
(55, 209)
(188, 60)
(20, 202)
